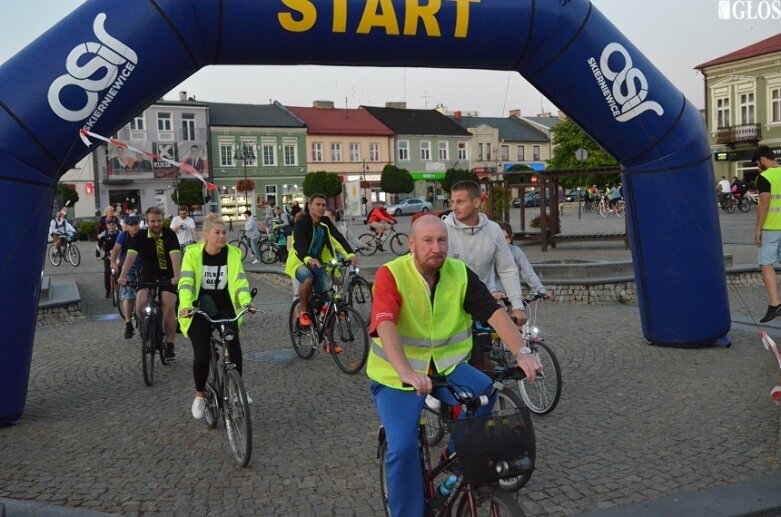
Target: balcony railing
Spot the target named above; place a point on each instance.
(745, 134)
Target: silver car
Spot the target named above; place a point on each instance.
(409, 206)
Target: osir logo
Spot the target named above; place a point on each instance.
(109, 54)
(626, 98)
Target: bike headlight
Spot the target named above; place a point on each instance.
(147, 310)
(535, 331)
(357, 270)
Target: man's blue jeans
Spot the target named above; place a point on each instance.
(399, 412)
(253, 242)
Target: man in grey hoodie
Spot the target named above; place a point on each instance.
(479, 242)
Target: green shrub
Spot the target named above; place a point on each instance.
(87, 230)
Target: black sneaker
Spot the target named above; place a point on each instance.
(108, 295)
(128, 330)
(170, 354)
(772, 313)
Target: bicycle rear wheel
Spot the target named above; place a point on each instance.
(74, 257)
(116, 294)
(148, 349)
(384, 477)
(486, 500)
(435, 426)
(359, 296)
(542, 397)
(238, 423)
(745, 205)
(302, 339)
(54, 256)
(368, 245)
(399, 244)
(351, 339)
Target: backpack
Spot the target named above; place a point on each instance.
(366, 219)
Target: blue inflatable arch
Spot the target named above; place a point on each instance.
(108, 61)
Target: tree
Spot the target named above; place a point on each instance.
(65, 195)
(322, 182)
(188, 193)
(568, 137)
(453, 176)
(396, 181)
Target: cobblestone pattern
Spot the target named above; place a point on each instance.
(635, 422)
(63, 315)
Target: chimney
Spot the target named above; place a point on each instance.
(182, 96)
(323, 104)
(544, 115)
(400, 105)
(515, 113)
(457, 116)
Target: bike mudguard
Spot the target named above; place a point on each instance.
(107, 61)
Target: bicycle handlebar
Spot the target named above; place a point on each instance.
(145, 285)
(247, 308)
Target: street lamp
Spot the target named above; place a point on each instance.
(246, 154)
(581, 155)
(364, 170)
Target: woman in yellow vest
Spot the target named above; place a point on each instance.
(422, 313)
(212, 273)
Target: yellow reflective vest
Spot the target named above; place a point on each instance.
(773, 219)
(438, 332)
(192, 273)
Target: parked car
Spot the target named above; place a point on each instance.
(574, 195)
(531, 198)
(409, 206)
(438, 213)
(516, 202)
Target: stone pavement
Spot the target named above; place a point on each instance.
(636, 424)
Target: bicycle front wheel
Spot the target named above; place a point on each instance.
(359, 296)
(351, 339)
(399, 244)
(269, 253)
(54, 256)
(368, 245)
(212, 413)
(435, 426)
(302, 338)
(486, 500)
(745, 205)
(621, 209)
(603, 210)
(115, 293)
(384, 478)
(148, 349)
(543, 396)
(238, 423)
(74, 257)
(509, 400)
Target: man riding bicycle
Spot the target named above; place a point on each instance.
(161, 261)
(118, 255)
(106, 242)
(60, 229)
(421, 323)
(378, 218)
(315, 240)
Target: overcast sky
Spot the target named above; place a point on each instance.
(676, 35)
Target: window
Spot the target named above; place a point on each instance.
(137, 124)
(521, 153)
(775, 105)
(403, 150)
(248, 149)
(188, 127)
(505, 154)
(722, 112)
(269, 153)
(271, 194)
(226, 154)
(425, 150)
(488, 152)
(444, 151)
(355, 152)
(462, 155)
(336, 152)
(317, 151)
(374, 152)
(747, 108)
(480, 152)
(536, 153)
(164, 122)
(290, 151)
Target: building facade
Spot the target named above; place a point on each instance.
(743, 106)
(427, 143)
(263, 143)
(351, 143)
(132, 182)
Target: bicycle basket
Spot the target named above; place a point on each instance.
(494, 446)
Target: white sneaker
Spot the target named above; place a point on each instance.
(255, 261)
(249, 399)
(199, 405)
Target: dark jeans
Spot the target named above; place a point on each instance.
(107, 274)
(199, 333)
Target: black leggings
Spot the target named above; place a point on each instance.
(199, 334)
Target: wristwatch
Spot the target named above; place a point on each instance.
(524, 350)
